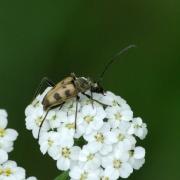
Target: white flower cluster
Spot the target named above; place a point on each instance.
(103, 145)
(9, 169)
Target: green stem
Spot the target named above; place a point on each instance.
(63, 176)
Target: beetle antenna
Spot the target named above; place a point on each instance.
(112, 59)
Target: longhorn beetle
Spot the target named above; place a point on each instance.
(69, 88)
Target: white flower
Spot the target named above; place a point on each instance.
(117, 163)
(70, 106)
(82, 173)
(107, 175)
(66, 138)
(3, 113)
(34, 121)
(137, 157)
(36, 104)
(3, 156)
(64, 155)
(8, 169)
(117, 114)
(100, 144)
(48, 140)
(6, 145)
(7, 136)
(3, 119)
(121, 134)
(68, 125)
(32, 178)
(53, 119)
(138, 128)
(99, 140)
(85, 100)
(91, 118)
(111, 99)
(30, 109)
(89, 157)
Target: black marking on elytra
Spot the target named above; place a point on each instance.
(67, 93)
(57, 96)
(63, 87)
(45, 103)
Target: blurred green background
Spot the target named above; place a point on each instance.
(54, 38)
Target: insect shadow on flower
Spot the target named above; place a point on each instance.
(70, 87)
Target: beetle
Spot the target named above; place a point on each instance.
(70, 87)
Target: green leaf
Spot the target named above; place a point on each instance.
(63, 176)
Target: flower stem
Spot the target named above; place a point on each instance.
(63, 176)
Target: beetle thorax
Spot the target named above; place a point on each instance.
(82, 84)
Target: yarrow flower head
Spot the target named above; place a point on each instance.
(100, 144)
(9, 169)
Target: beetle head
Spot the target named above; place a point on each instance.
(96, 87)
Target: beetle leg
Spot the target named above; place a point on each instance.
(60, 107)
(46, 81)
(87, 95)
(92, 102)
(43, 122)
(77, 100)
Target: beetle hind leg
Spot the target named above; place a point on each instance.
(44, 81)
(42, 122)
(77, 101)
(92, 102)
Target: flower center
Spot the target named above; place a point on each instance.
(90, 157)
(38, 121)
(137, 126)
(118, 116)
(120, 137)
(88, 119)
(114, 103)
(54, 117)
(7, 172)
(66, 152)
(99, 137)
(87, 101)
(50, 142)
(2, 132)
(70, 125)
(117, 164)
(105, 178)
(1, 171)
(131, 153)
(84, 176)
(71, 105)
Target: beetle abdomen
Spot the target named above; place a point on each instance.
(58, 95)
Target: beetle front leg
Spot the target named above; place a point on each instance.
(88, 96)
